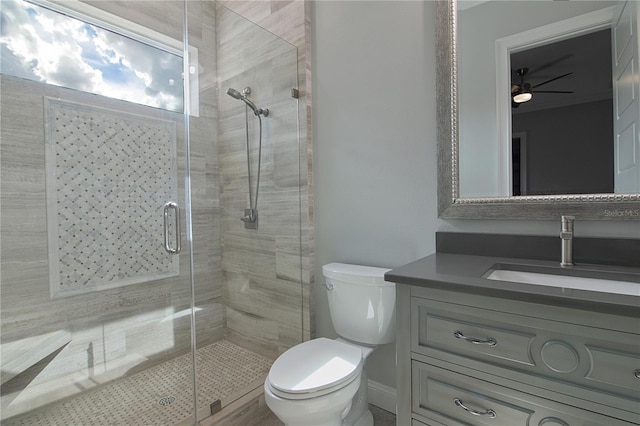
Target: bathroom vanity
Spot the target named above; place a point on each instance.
(491, 330)
(480, 351)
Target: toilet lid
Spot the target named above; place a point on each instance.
(315, 365)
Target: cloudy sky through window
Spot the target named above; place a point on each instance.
(42, 45)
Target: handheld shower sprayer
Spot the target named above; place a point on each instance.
(242, 97)
(234, 93)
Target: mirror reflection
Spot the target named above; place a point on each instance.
(544, 98)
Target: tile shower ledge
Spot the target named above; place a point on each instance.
(464, 273)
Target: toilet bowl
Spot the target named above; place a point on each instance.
(320, 390)
(322, 382)
(325, 410)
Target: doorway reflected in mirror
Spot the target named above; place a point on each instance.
(568, 120)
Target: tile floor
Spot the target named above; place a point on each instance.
(160, 395)
(382, 417)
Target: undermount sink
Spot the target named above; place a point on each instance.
(580, 279)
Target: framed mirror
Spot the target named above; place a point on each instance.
(477, 164)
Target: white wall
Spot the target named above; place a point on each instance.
(374, 137)
(374, 141)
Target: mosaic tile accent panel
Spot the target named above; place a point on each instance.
(109, 175)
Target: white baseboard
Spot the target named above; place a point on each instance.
(382, 396)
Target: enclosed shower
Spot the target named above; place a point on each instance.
(131, 291)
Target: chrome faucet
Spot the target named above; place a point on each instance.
(566, 234)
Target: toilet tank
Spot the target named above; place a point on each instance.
(361, 303)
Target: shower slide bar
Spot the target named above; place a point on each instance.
(250, 217)
(167, 245)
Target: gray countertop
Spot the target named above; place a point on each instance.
(464, 273)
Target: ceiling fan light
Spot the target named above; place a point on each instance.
(522, 97)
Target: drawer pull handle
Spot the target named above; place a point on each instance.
(492, 414)
(490, 341)
(637, 373)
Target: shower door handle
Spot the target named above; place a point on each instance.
(167, 245)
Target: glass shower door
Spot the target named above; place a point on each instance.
(96, 284)
(248, 293)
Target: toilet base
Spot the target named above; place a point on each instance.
(359, 414)
(365, 420)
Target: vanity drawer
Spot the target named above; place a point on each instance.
(611, 368)
(502, 341)
(598, 358)
(452, 398)
(415, 422)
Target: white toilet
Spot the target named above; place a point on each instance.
(322, 381)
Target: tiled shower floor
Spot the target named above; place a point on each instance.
(160, 395)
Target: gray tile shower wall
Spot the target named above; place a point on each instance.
(262, 268)
(291, 21)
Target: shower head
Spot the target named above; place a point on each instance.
(234, 93)
(237, 95)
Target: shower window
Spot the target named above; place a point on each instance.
(84, 55)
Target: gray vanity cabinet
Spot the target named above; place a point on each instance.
(466, 359)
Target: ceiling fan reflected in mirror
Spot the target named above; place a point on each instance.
(523, 91)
